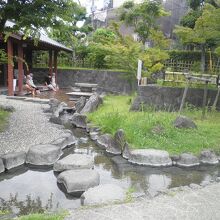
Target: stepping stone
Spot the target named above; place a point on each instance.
(12, 160)
(2, 167)
(65, 140)
(79, 180)
(74, 161)
(44, 154)
(150, 157)
(208, 157)
(187, 160)
(103, 194)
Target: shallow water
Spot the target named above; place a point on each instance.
(27, 189)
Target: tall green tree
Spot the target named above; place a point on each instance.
(143, 17)
(196, 7)
(70, 32)
(32, 15)
(206, 32)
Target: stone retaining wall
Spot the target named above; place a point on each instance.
(108, 81)
(169, 98)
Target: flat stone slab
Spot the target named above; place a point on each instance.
(2, 167)
(79, 180)
(150, 157)
(86, 94)
(15, 159)
(187, 160)
(103, 194)
(87, 85)
(45, 154)
(74, 161)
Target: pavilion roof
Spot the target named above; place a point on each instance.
(44, 39)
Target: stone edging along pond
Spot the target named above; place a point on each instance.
(48, 154)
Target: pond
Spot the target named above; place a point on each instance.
(28, 189)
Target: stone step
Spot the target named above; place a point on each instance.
(79, 94)
(87, 85)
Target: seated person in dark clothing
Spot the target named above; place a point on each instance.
(48, 82)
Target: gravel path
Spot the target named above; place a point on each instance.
(28, 125)
(189, 204)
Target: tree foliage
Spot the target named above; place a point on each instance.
(196, 8)
(32, 15)
(3, 57)
(206, 32)
(143, 17)
(69, 33)
(109, 49)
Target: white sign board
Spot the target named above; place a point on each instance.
(139, 70)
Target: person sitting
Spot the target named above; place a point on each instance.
(53, 81)
(48, 83)
(29, 85)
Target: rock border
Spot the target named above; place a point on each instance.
(184, 160)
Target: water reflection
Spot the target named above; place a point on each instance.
(14, 205)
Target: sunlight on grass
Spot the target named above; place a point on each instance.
(114, 114)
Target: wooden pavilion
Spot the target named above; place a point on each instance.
(22, 49)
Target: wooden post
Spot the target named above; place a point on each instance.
(216, 99)
(188, 78)
(204, 99)
(20, 68)
(184, 97)
(10, 67)
(55, 63)
(50, 62)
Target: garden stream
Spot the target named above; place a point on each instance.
(28, 189)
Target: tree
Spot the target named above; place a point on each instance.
(196, 7)
(32, 15)
(206, 32)
(124, 53)
(69, 32)
(143, 17)
(98, 49)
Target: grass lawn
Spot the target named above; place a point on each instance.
(114, 114)
(3, 119)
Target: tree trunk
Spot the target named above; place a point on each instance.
(203, 58)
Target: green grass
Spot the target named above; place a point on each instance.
(3, 119)
(83, 68)
(114, 114)
(59, 216)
